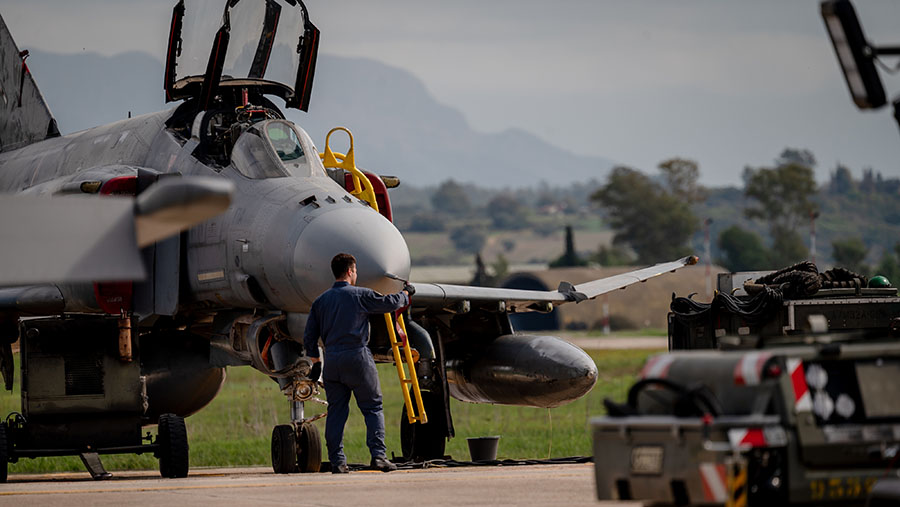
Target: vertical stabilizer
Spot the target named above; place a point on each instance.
(24, 116)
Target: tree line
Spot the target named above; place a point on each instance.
(781, 199)
(658, 217)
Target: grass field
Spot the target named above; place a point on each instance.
(235, 429)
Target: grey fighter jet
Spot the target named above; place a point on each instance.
(103, 356)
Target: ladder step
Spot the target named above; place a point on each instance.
(404, 351)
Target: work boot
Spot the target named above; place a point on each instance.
(382, 463)
(340, 469)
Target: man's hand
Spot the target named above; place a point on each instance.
(316, 371)
(410, 290)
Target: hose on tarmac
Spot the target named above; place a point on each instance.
(452, 463)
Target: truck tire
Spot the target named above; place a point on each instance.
(4, 453)
(173, 446)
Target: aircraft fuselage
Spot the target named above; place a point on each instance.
(270, 249)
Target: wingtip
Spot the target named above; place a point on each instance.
(693, 259)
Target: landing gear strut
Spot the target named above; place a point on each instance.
(296, 447)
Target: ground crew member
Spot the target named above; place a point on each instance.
(340, 316)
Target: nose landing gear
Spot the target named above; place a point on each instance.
(297, 447)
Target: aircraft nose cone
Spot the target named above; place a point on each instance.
(378, 246)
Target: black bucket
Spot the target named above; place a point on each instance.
(483, 448)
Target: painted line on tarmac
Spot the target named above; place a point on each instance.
(123, 475)
(251, 485)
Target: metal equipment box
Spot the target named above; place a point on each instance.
(816, 423)
(845, 309)
(73, 383)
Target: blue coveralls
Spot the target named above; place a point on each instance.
(340, 316)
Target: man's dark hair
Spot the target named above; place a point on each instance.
(341, 263)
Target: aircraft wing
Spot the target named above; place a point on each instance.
(518, 300)
(89, 239)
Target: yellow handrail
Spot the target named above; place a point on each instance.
(362, 187)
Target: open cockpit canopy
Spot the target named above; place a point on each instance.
(269, 45)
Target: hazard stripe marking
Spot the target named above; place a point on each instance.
(714, 478)
(657, 367)
(738, 486)
(802, 398)
(748, 370)
(747, 437)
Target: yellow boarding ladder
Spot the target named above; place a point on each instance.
(363, 189)
(411, 364)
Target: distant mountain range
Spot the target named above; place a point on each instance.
(398, 126)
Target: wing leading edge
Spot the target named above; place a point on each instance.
(81, 238)
(518, 300)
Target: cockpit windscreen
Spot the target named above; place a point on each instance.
(276, 149)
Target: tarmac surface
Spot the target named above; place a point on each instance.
(544, 485)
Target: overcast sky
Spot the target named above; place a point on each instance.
(726, 83)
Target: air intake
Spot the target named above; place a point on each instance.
(84, 375)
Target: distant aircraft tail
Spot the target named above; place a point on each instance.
(24, 116)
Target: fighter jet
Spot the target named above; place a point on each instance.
(104, 356)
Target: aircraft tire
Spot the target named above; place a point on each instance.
(173, 446)
(422, 442)
(284, 449)
(4, 453)
(309, 448)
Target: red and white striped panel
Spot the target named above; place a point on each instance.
(657, 366)
(802, 397)
(715, 482)
(747, 437)
(748, 370)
